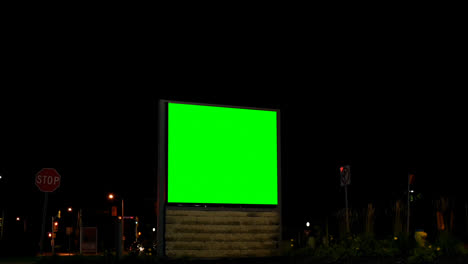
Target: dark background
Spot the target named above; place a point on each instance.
(386, 98)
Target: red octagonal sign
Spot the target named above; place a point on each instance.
(47, 180)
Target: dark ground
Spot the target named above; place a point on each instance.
(271, 260)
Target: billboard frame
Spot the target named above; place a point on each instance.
(162, 174)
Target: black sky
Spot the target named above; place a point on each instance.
(386, 102)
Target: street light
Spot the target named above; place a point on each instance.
(111, 197)
(69, 209)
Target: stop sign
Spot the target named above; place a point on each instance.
(47, 180)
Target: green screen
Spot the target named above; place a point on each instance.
(221, 155)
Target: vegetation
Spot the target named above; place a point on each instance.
(396, 249)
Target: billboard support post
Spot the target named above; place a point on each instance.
(161, 199)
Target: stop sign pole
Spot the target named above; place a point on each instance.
(47, 180)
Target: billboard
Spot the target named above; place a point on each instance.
(221, 155)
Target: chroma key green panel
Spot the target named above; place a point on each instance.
(222, 155)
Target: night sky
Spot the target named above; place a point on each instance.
(385, 104)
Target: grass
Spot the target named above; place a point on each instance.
(19, 260)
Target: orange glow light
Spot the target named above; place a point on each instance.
(111, 196)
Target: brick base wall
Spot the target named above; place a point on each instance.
(211, 234)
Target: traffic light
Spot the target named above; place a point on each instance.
(411, 179)
(345, 173)
(114, 210)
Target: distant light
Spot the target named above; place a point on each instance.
(154, 229)
(136, 223)
(18, 218)
(110, 196)
(139, 233)
(69, 209)
(120, 217)
(308, 224)
(0, 177)
(395, 238)
(412, 191)
(142, 249)
(49, 234)
(55, 223)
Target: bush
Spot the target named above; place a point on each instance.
(424, 254)
(450, 245)
(401, 247)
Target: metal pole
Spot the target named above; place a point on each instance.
(3, 224)
(120, 237)
(69, 244)
(136, 229)
(327, 241)
(52, 242)
(466, 216)
(408, 214)
(44, 213)
(123, 224)
(80, 223)
(346, 201)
